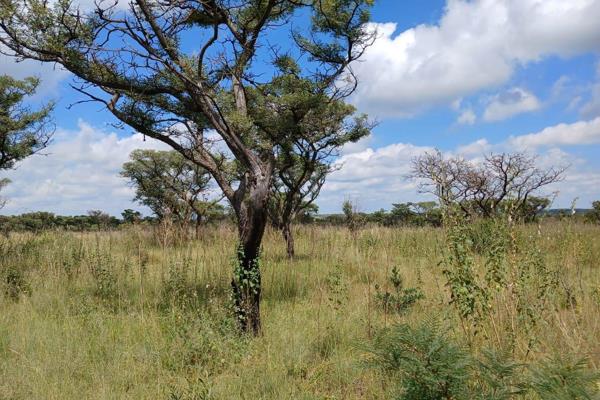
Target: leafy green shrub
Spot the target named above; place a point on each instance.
(202, 342)
(497, 377)
(15, 283)
(562, 378)
(337, 287)
(101, 268)
(429, 365)
(177, 291)
(401, 299)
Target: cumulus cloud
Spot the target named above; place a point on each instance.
(50, 75)
(376, 178)
(591, 108)
(510, 103)
(372, 177)
(476, 45)
(578, 133)
(476, 148)
(467, 117)
(79, 172)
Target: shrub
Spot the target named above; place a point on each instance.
(430, 366)
(401, 299)
(15, 283)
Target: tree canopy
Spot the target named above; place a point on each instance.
(170, 185)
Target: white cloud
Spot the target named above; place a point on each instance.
(79, 172)
(374, 178)
(49, 75)
(467, 117)
(476, 45)
(578, 133)
(476, 148)
(510, 103)
(377, 177)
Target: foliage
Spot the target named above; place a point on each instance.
(401, 299)
(130, 216)
(170, 185)
(41, 220)
(23, 132)
(561, 377)
(594, 215)
(427, 364)
(353, 219)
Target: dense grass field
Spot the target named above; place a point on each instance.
(129, 315)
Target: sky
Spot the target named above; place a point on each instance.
(466, 77)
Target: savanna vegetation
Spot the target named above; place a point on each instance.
(480, 310)
(235, 288)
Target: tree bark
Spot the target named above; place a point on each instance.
(198, 226)
(246, 283)
(289, 239)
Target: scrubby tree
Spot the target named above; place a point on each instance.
(170, 185)
(500, 183)
(131, 216)
(296, 185)
(173, 70)
(102, 220)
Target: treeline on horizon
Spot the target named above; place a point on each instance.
(419, 214)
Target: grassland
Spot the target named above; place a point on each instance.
(122, 315)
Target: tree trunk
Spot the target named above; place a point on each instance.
(289, 239)
(198, 226)
(246, 283)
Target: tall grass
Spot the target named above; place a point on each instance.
(118, 315)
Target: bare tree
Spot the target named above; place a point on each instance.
(500, 183)
(138, 63)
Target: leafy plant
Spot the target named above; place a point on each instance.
(15, 283)
(562, 377)
(401, 298)
(429, 365)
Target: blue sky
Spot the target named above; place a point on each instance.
(467, 77)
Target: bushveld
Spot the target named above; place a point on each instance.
(375, 313)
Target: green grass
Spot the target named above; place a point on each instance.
(121, 315)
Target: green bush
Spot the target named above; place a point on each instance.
(431, 366)
(401, 298)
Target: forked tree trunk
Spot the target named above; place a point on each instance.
(288, 235)
(246, 283)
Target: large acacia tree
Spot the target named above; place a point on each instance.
(174, 69)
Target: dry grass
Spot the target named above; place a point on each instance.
(117, 315)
